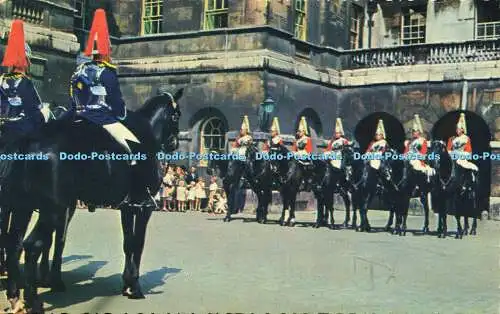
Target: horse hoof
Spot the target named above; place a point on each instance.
(466, 232)
(388, 229)
(126, 291)
(473, 232)
(291, 224)
(425, 229)
(331, 226)
(136, 295)
(37, 308)
(227, 219)
(316, 226)
(345, 224)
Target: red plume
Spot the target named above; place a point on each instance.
(15, 54)
(99, 33)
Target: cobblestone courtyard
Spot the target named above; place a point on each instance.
(196, 263)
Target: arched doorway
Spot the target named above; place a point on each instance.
(394, 130)
(480, 135)
(212, 137)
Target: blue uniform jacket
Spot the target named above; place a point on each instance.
(114, 108)
(20, 102)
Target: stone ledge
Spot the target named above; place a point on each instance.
(48, 38)
(264, 58)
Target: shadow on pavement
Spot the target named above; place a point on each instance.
(83, 286)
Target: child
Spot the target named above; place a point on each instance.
(168, 188)
(200, 193)
(192, 195)
(212, 190)
(221, 205)
(181, 196)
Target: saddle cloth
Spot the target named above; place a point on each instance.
(467, 164)
(121, 134)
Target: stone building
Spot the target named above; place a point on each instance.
(318, 58)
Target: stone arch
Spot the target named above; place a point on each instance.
(365, 130)
(313, 122)
(480, 135)
(209, 127)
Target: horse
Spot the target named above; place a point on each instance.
(461, 195)
(420, 184)
(54, 186)
(295, 174)
(256, 172)
(372, 181)
(334, 180)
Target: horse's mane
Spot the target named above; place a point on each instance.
(153, 104)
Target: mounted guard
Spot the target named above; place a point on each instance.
(378, 146)
(303, 144)
(335, 147)
(95, 90)
(20, 104)
(416, 149)
(460, 149)
(276, 139)
(244, 140)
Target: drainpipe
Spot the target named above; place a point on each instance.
(464, 95)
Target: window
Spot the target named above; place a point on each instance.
(37, 71)
(413, 28)
(216, 14)
(356, 25)
(488, 20)
(80, 8)
(212, 137)
(300, 19)
(152, 17)
(80, 14)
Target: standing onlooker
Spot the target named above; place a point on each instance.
(200, 193)
(192, 195)
(181, 196)
(192, 176)
(168, 189)
(221, 204)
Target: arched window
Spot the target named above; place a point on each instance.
(212, 137)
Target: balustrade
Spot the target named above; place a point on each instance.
(30, 11)
(480, 50)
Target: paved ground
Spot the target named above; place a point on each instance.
(195, 263)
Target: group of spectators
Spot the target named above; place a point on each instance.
(182, 191)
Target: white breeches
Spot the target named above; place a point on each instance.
(467, 164)
(375, 164)
(336, 163)
(417, 165)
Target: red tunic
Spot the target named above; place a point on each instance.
(308, 148)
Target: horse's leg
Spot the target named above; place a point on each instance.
(4, 225)
(284, 200)
(330, 202)
(319, 212)
(142, 217)
(459, 233)
(56, 282)
(347, 204)
(425, 203)
(473, 230)
(127, 220)
(388, 226)
(44, 270)
(33, 247)
(291, 217)
(466, 225)
(267, 198)
(20, 218)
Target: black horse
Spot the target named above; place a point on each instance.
(377, 179)
(54, 186)
(253, 171)
(418, 183)
(334, 180)
(295, 175)
(462, 195)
